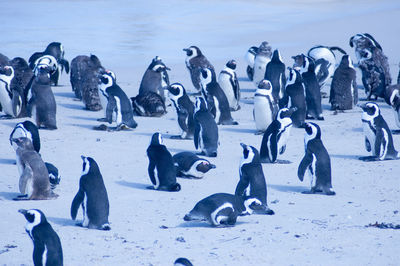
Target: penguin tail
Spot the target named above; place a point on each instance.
(64, 65)
(187, 218)
(176, 187)
(335, 48)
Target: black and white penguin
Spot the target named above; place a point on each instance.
(206, 130)
(155, 78)
(92, 196)
(265, 106)
(378, 138)
(275, 73)
(276, 136)
(84, 80)
(9, 104)
(216, 98)
(262, 58)
(41, 101)
(182, 262)
(252, 180)
(392, 97)
(149, 104)
(195, 62)
(229, 83)
(249, 57)
(54, 175)
(118, 104)
(184, 109)
(295, 91)
(344, 93)
(56, 50)
(316, 162)
(21, 82)
(222, 209)
(190, 165)
(28, 130)
(47, 249)
(161, 168)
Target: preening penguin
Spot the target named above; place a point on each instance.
(190, 165)
(47, 248)
(316, 162)
(378, 138)
(155, 79)
(28, 130)
(252, 180)
(229, 83)
(262, 58)
(222, 209)
(184, 109)
(250, 56)
(275, 73)
(161, 168)
(265, 106)
(92, 196)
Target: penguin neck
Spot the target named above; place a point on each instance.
(230, 71)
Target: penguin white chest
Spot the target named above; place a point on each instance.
(262, 112)
(103, 101)
(85, 222)
(283, 138)
(260, 64)
(5, 100)
(225, 84)
(370, 135)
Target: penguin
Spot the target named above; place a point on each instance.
(276, 136)
(252, 180)
(378, 138)
(261, 60)
(56, 50)
(265, 106)
(229, 83)
(222, 209)
(195, 62)
(184, 109)
(295, 91)
(47, 249)
(161, 168)
(7, 99)
(92, 196)
(23, 75)
(362, 41)
(34, 178)
(54, 176)
(155, 79)
(26, 129)
(84, 80)
(275, 73)
(118, 103)
(316, 162)
(325, 61)
(344, 94)
(249, 57)
(216, 98)
(42, 104)
(392, 97)
(182, 262)
(149, 104)
(190, 165)
(206, 130)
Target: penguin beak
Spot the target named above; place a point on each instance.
(186, 49)
(167, 68)
(362, 106)
(23, 211)
(212, 166)
(83, 157)
(243, 145)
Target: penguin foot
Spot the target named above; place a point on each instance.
(396, 131)
(283, 162)
(266, 211)
(4, 117)
(368, 158)
(320, 118)
(150, 187)
(102, 127)
(21, 197)
(260, 132)
(105, 227)
(102, 119)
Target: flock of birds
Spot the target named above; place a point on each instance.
(284, 97)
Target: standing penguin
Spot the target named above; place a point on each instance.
(261, 60)
(316, 162)
(190, 165)
(222, 209)
(206, 130)
(276, 136)
(252, 180)
(265, 107)
(378, 138)
(22, 78)
(344, 94)
(92, 196)
(155, 78)
(8, 102)
(392, 97)
(34, 178)
(47, 248)
(295, 91)
(42, 104)
(216, 98)
(161, 168)
(195, 62)
(229, 83)
(184, 109)
(275, 73)
(250, 56)
(116, 103)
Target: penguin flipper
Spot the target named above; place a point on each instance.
(196, 135)
(23, 180)
(242, 185)
(111, 106)
(304, 164)
(183, 114)
(38, 251)
(380, 140)
(16, 103)
(64, 64)
(150, 170)
(367, 145)
(76, 202)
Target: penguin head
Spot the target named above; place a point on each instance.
(54, 176)
(46, 61)
(265, 49)
(200, 105)
(23, 143)
(175, 91)
(276, 56)
(33, 217)
(159, 67)
(253, 50)
(89, 165)
(346, 61)
(284, 114)
(157, 139)
(303, 63)
(192, 51)
(313, 131)
(42, 74)
(364, 41)
(182, 262)
(264, 87)
(250, 155)
(206, 76)
(231, 64)
(204, 166)
(6, 74)
(250, 204)
(293, 77)
(106, 80)
(370, 111)
(95, 62)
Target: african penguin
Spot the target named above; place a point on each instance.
(265, 106)
(34, 178)
(378, 138)
(252, 180)
(155, 78)
(26, 129)
(182, 262)
(222, 209)
(195, 62)
(206, 130)
(149, 104)
(190, 165)
(275, 73)
(344, 94)
(295, 91)
(6, 95)
(261, 60)
(229, 83)
(47, 249)
(92, 196)
(161, 168)
(184, 109)
(392, 97)
(316, 162)
(54, 176)
(250, 56)
(276, 136)
(216, 98)
(19, 85)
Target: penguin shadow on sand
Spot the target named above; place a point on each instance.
(238, 130)
(72, 106)
(7, 161)
(69, 95)
(62, 221)
(84, 118)
(204, 224)
(288, 188)
(346, 156)
(8, 195)
(133, 185)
